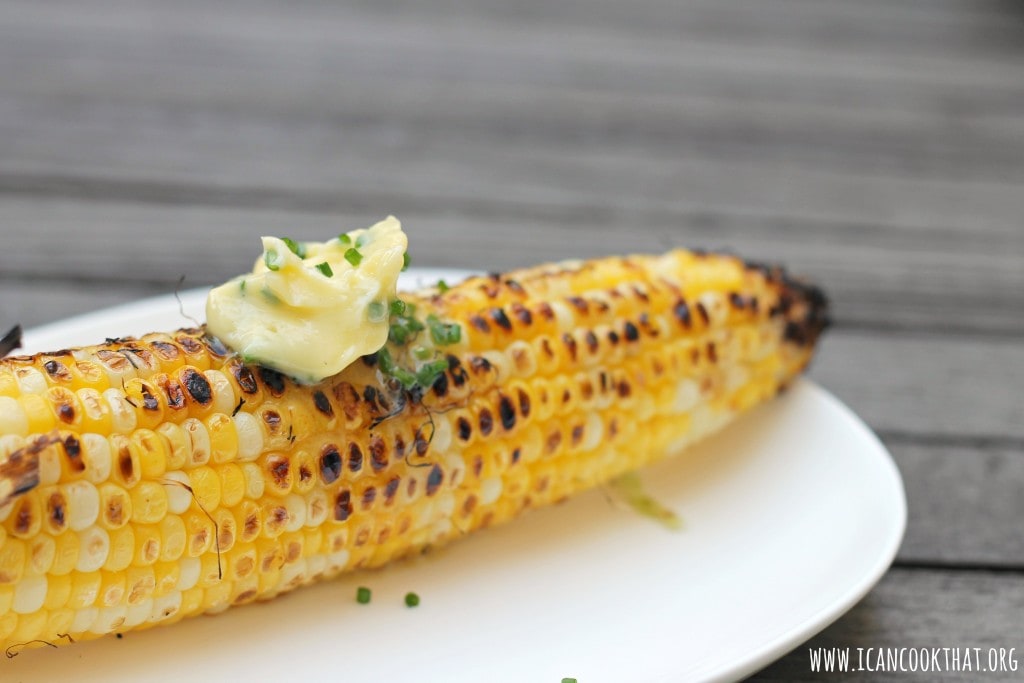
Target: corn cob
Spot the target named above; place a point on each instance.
(146, 480)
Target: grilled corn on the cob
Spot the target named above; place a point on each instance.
(146, 480)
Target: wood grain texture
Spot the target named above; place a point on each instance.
(948, 280)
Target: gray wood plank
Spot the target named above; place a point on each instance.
(915, 608)
(902, 278)
(128, 92)
(963, 502)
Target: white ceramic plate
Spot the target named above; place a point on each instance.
(791, 515)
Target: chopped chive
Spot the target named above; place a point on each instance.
(345, 239)
(297, 248)
(325, 269)
(411, 599)
(442, 286)
(568, 680)
(397, 307)
(422, 352)
(353, 256)
(270, 296)
(363, 595)
(398, 334)
(241, 286)
(429, 372)
(443, 334)
(375, 311)
(272, 259)
(405, 261)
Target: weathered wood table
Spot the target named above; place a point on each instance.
(875, 145)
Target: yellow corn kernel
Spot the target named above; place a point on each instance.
(148, 502)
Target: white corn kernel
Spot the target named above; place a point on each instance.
(29, 594)
(179, 498)
(199, 441)
(83, 504)
(250, 436)
(13, 419)
(94, 547)
(190, 568)
(97, 458)
(122, 414)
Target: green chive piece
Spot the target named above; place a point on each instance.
(325, 269)
(411, 599)
(272, 259)
(363, 595)
(405, 261)
(428, 373)
(397, 307)
(297, 248)
(375, 311)
(443, 334)
(353, 256)
(568, 680)
(345, 239)
(422, 352)
(270, 296)
(241, 286)
(442, 286)
(398, 334)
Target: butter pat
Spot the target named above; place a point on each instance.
(312, 313)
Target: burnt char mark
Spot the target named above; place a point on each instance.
(343, 506)
(703, 313)
(806, 308)
(458, 373)
(524, 403)
(579, 303)
(500, 319)
(369, 496)
(590, 339)
(434, 480)
(507, 412)
(273, 379)
(216, 346)
(165, 350)
(323, 404)
(522, 313)
(631, 332)
(330, 464)
(355, 458)
(73, 450)
(465, 429)
(440, 385)
(246, 380)
(479, 365)
(149, 401)
(682, 313)
(479, 324)
(486, 421)
(613, 337)
(391, 488)
(197, 386)
(515, 287)
(378, 454)
(57, 371)
(190, 344)
(570, 345)
(172, 391)
(56, 511)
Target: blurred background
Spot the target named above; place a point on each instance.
(874, 145)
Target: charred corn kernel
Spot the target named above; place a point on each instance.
(147, 545)
(144, 480)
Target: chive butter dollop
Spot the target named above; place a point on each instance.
(309, 309)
